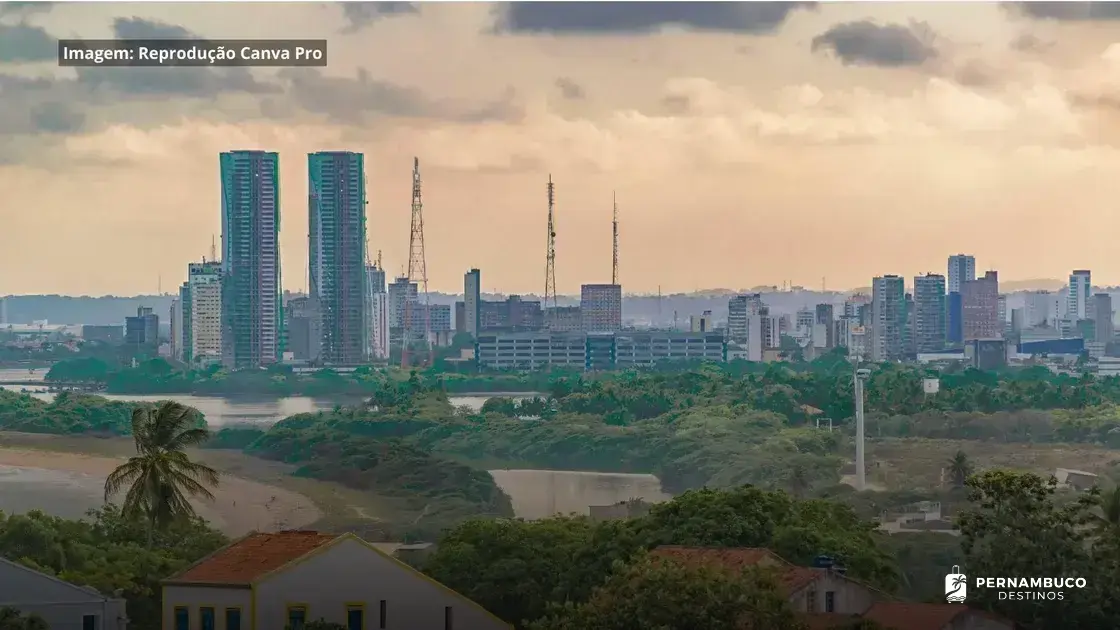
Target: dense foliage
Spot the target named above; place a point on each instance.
(108, 552)
(68, 413)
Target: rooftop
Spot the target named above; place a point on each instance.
(245, 560)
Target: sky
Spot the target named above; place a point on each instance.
(747, 143)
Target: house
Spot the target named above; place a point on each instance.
(62, 605)
(809, 590)
(1076, 479)
(826, 598)
(286, 579)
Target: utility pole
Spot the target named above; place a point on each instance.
(858, 379)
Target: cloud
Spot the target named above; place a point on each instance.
(1067, 11)
(359, 15)
(570, 89)
(140, 28)
(23, 42)
(603, 18)
(868, 43)
(1029, 42)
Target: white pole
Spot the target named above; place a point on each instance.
(861, 481)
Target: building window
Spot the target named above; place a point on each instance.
(297, 617)
(182, 618)
(448, 622)
(206, 618)
(233, 619)
(811, 601)
(830, 601)
(356, 617)
(89, 622)
(383, 616)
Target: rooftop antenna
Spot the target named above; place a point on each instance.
(379, 267)
(550, 257)
(213, 248)
(159, 284)
(614, 225)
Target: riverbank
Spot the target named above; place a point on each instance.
(240, 505)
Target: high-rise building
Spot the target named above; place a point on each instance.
(142, 331)
(600, 307)
(252, 313)
(176, 319)
(401, 293)
(1037, 307)
(824, 329)
(930, 313)
(888, 317)
(858, 309)
(203, 335)
(337, 253)
(980, 308)
(472, 301)
(377, 313)
(739, 310)
(962, 268)
(1080, 288)
(1102, 316)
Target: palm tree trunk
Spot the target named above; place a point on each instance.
(151, 527)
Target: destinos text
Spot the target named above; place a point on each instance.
(1046, 588)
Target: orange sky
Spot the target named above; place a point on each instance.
(776, 149)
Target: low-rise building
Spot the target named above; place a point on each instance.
(539, 350)
(64, 606)
(287, 579)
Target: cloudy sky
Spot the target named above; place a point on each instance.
(748, 143)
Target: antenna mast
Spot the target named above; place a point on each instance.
(550, 264)
(417, 270)
(213, 248)
(614, 225)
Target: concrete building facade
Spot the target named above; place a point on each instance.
(930, 313)
(1102, 317)
(541, 350)
(204, 334)
(980, 308)
(601, 308)
(252, 313)
(337, 253)
(472, 300)
(1078, 295)
(888, 317)
(962, 268)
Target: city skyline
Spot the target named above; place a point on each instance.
(984, 125)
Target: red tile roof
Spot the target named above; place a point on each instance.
(245, 560)
(914, 616)
(791, 578)
(826, 621)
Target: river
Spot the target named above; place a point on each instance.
(535, 493)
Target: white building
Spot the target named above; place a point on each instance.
(379, 326)
(1037, 309)
(472, 300)
(205, 281)
(62, 605)
(401, 292)
(1080, 288)
(287, 579)
(962, 268)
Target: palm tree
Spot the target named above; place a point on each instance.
(960, 468)
(160, 477)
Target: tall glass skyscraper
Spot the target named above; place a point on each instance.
(252, 311)
(337, 246)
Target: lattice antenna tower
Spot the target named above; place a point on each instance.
(614, 226)
(417, 270)
(550, 260)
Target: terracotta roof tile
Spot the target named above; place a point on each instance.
(913, 616)
(253, 556)
(791, 578)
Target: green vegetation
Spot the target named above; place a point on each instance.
(107, 551)
(67, 414)
(160, 478)
(11, 619)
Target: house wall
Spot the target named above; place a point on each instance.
(350, 572)
(851, 598)
(68, 616)
(195, 597)
(60, 604)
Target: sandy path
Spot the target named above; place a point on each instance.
(239, 505)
